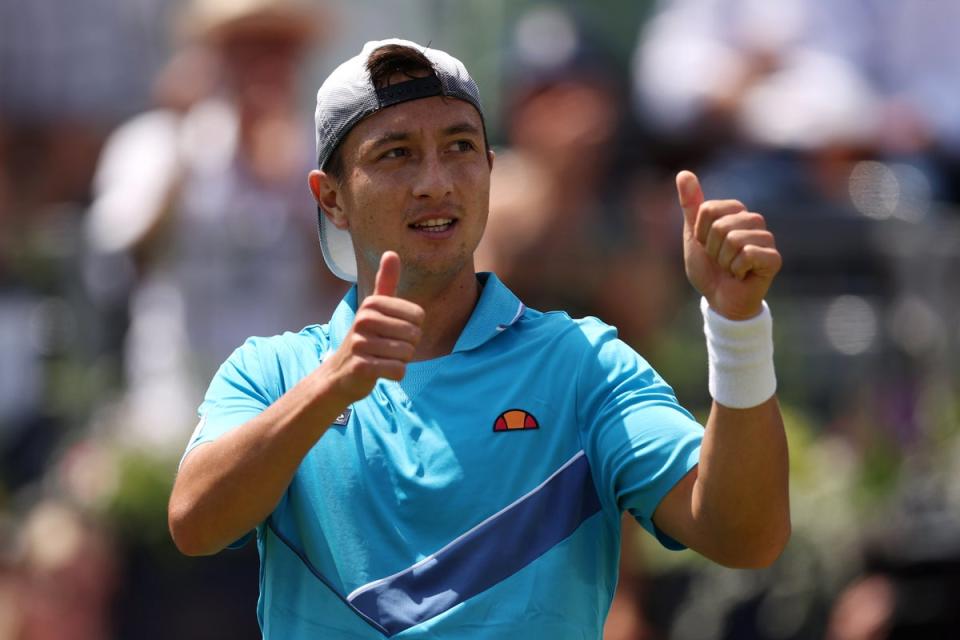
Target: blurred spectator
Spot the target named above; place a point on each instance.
(65, 574)
(906, 50)
(562, 231)
(68, 72)
(782, 99)
(749, 86)
(207, 196)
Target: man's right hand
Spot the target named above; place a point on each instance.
(227, 487)
(382, 340)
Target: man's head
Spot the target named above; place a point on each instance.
(402, 147)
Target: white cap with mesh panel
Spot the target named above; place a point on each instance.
(348, 96)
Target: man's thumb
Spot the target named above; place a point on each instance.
(690, 195)
(388, 275)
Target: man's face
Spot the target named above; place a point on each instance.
(416, 180)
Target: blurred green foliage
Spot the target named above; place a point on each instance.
(138, 508)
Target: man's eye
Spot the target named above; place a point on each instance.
(463, 145)
(397, 152)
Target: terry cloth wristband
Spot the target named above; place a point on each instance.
(740, 353)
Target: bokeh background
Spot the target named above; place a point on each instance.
(154, 213)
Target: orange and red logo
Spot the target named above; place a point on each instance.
(515, 420)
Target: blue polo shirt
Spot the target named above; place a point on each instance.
(480, 497)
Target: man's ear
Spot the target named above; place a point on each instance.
(326, 191)
(490, 156)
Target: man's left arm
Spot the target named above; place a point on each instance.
(734, 507)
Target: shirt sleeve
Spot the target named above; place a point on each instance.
(239, 391)
(639, 440)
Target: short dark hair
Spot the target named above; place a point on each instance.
(383, 63)
(391, 59)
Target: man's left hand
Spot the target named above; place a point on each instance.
(730, 256)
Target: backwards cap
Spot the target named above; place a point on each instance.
(348, 96)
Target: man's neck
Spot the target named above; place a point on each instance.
(447, 310)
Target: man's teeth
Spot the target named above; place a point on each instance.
(434, 223)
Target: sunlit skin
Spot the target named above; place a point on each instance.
(408, 164)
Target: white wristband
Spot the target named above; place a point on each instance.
(740, 353)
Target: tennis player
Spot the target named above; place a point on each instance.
(440, 461)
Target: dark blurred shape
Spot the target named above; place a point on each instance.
(911, 571)
(214, 598)
(563, 231)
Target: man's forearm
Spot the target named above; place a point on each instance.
(741, 495)
(227, 487)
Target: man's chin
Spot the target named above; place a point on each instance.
(431, 271)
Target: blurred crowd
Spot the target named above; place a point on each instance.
(154, 213)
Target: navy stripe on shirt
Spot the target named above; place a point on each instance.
(490, 552)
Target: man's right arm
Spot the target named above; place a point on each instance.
(227, 487)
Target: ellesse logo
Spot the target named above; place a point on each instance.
(515, 420)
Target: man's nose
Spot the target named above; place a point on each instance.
(433, 178)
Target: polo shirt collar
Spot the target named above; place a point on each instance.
(497, 309)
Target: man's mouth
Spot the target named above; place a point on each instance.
(434, 225)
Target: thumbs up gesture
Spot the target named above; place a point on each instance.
(729, 255)
(382, 340)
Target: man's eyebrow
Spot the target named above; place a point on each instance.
(462, 127)
(402, 136)
(390, 136)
